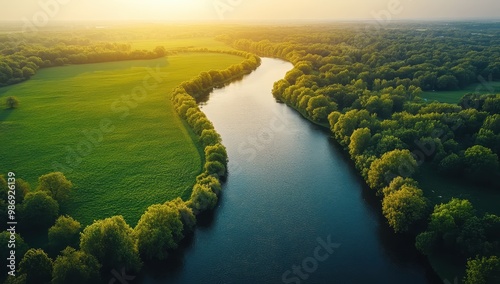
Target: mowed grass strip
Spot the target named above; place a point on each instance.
(149, 156)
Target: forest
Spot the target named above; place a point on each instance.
(365, 87)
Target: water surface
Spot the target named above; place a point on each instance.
(289, 190)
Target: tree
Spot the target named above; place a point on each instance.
(451, 165)
(112, 243)
(37, 266)
(404, 207)
(38, 211)
(65, 232)
(56, 185)
(360, 140)
(447, 216)
(160, 51)
(27, 72)
(484, 270)
(481, 164)
(397, 183)
(77, 267)
(158, 230)
(187, 216)
(12, 102)
(390, 165)
(209, 137)
(426, 242)
(202, 198)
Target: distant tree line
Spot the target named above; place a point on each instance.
(366, 87)
(21, 56)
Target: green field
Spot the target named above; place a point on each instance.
(146, 154)
(453, 97)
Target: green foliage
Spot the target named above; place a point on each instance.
(11, 102)
(202, 198)
(404, 207)
(360, 140)
(481, 164)
(187, 216)
(38, 211)
(37, 266)
(426, 242)
(397, 183)
(158, 231)
(77, 267)
(483, 270)
(111, 241)
(65, 232)
(446, 217)
(56, 185)
(390, 165)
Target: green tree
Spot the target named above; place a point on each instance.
(76, 267)
(56, 185)
(481, 163)
(209, 137)
(112, 243)
(483, 270)
(159, 230)
(38, 211)
(426, 242)
(12, 102)
(397, 183)
(360, 140)
(37, 266)
(404, 207)
(65, 232)
(390, 165)
(447, 216)
(202, 198)
(187, 216)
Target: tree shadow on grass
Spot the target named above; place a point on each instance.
(5, 112)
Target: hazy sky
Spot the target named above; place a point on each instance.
(160, 10)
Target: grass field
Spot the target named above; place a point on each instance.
(453, 97)
(145, 155)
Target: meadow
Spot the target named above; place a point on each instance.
(111, 128)
(453, 97)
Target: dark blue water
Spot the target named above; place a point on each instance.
(292, 210)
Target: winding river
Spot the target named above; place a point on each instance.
(293, 210)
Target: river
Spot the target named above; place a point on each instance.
(292, 210)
